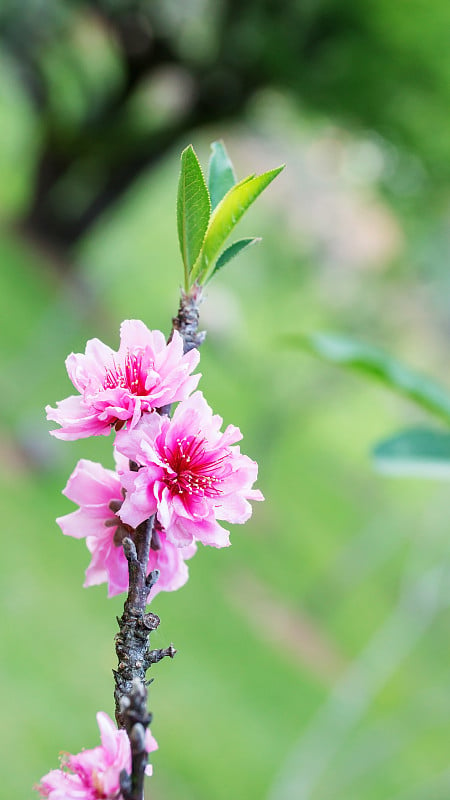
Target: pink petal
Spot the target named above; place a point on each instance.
(150, 742)
(108, 730)
(134, 333)
(76, 418)
(91, 483)
(79, 524)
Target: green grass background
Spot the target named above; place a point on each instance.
(313, 653)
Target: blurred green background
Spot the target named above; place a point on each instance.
(313, 654)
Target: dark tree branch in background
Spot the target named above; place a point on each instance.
(106, 139)
(310, 50)
(104, 153)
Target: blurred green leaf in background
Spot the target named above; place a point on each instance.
(422, 452)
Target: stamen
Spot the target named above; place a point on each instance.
(192, 470)
(131, 375)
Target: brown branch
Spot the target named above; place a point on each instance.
(186, 321)
(135, 625)
(134, 656)
(134, 707)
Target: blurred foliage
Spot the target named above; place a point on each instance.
(312, 653)
(383, 367)
(423, 452)
(163, 68)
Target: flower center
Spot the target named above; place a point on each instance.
(98, 785)
(132, 375)
(194, 471)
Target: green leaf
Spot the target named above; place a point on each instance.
(377, 364)
(233, 250)
(193, 210)
(417, 452)
(225, 217)
(221, 176)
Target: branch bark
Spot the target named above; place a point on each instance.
(134, 656)
(135, 625)
(186, 321)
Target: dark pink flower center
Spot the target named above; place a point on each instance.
(198, 472)
(97, 785)
(132, 375)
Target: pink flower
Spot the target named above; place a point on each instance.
(94, 774)
(190, 474)
(99, 494)
(118, 387)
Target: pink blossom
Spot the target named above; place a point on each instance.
(150, 745)
(94, 774)
(99, 494)
(191, 474)
(118, 387)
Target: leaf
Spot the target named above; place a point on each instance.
(225, 217)
(233, 250)
(417, 452)
(193, 209)
(377, 364)
(221, 176)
